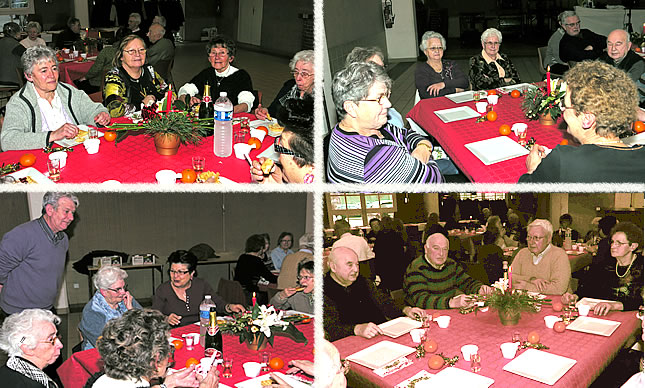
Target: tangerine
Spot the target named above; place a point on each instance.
(191, 361)
(557, 306)
(276, 363)
(178, 344)
(516, 93)
(430, 346)
(435, 361)
(255, 142)
(491, 116)
(505, 130)
(263, 128)
(533, 337)
(188, 176)
(559, 327)
(637, 49)
(639, 126)
(109, 135)
(27, 160)
(564, 142)
(492, 92)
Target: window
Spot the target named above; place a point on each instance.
(358, 208)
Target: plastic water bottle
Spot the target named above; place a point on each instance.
(223, 127)
(204, 314)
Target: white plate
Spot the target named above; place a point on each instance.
(460, 97)
(421, 380)
(536, 295)
(380, 354)
(592, 302)
(399, 326)
(288, 313)
(257, 381)
(541, 366)
(73, 142)
(256, 123)
(496, 149)
(31, 172)
(455, 377)
(523, 87)
(592, 325)
(456, 114)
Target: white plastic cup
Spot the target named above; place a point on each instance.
(60, 155)
(492, 99)
(416, 335)
(66, 50)
(252, 369)
(550, 320)
(443, 321)
(189, 342)
(583, 309)
(166, 177)
(75, 53)
(509, 349)
(258, 134)
(481, 106)
(83, 55)
(469, 350)
(92, 145)
(242, 149)
(519, 128)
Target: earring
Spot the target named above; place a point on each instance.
(309, 178)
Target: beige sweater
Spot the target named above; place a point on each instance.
(554, 267)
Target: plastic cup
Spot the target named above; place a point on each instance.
(61, 156)
(258, 134)
(481, 106)
(53, 167)
(583, 309)
(509, 349)
(469, 350)
(66, 50)
(492, 99)
(166, 177)
(443, 321)
(416, 335)
(83, 55)
(189, 342)
(242, 149)
(92, 145)
(550, 320)
(251, 369)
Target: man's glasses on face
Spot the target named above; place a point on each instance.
(572, 24)
(534, 238)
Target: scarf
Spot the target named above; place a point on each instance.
(30, 371)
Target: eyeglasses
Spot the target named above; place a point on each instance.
(380, 99)
(303, 74)
(306, 277)
(285, 151)
(619, 243)
(173, 272)
(435, 48)
(493, 44)
(534, 238)
(53, 339)
(572, 24)
(117, 290)
(140, 51)
(218, 54)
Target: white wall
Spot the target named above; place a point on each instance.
(402, 37)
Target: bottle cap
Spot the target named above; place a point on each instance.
(207, 296)
(222, 94)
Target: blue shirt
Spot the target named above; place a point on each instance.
(395, 118)
(277, 256)
(96, 313)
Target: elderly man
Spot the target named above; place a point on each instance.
(620, 55)
(12, 51)
(32, 256)
(358, 244)
(434, 281)
(134, 24)
(289, 270)
(353, 305)
(161, 49)
(552, 55)
(578, 44)
(541, 266)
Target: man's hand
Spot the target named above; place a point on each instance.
(602, 308)
(412, 312)
(485, 290)
(589, 48)
(568, 298)
(279, 383)
(540, 284)
(235, 308)
(367, 330)
(173, 319)
(434, 89)
(461, 300)
(66, 131)
(102, 118)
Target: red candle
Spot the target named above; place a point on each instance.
(168, 98)
(548, 80)
(253, 299)
(510, 277)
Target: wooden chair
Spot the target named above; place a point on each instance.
(541, 54)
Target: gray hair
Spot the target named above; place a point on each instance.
(306, 241)
(429, 35)
(136, 17)
(32, 25)
(18, 329)
(304, 55)
(562, 17)
(161, 20)
(363, 54)
(11, 29)
(353, 83)
(489, 32)
(107, 276)
(328, 359)
(544, 224)
(163, 29)
(52, 197)
(35, 55)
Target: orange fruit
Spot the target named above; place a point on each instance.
(557, 306)
(430, 346)
(109, 135)
(492, 92)
(255, 142)
(534, 337)
(276, 363)
(516, 93)
(639, 126)
(263, 128)
(564, 142)
(559, 327)
(435, 361)
(178, 344)
(192, 361)
(505, 130)
(27, 160)
(491, 116)
(637, 49)
(188, 176)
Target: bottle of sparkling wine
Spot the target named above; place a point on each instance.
(213, 345)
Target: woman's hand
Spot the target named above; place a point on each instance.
(412, 312)
(183, 378)
(102, 118)
(235, 308)
(127, 299)
(211, 380)
(261, 112)
(287, 292)
(568, 298)
(423, 152)
(301, 365)
(434, 89)
(258, 176)
(66, 131)
(534, 158)
(279, 383)
(173, 319)
(149, 100)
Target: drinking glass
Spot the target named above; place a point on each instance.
(189, 342)
(93, 133)
(53, 166)
(264, 360)
(517, 337)
(228, 368)
(475, 362)
(476, 95)
(199, 163)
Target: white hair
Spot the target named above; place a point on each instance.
(328, 360)
(429, 35)
(18, 329)
(107, 276)
(544, 224)
(489, 32)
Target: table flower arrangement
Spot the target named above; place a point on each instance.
(544, 103)
(260, 326)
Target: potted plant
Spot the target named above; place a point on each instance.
(544, 103)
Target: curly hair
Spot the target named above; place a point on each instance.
(633, 233)
(605, 91)
(363, 54)
(36, 55)
(306, 56)
(224, 42)
(107, 276)
(353, 83)
(429, 35)
(18, 329)
(132, 344)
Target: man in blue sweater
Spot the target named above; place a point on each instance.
(32, 256)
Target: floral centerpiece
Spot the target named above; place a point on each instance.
(260, 326)
(544, 103)
(509, 303)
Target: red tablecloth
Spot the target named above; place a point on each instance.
(70, 71)
(75, 371)
(135, 160)
(454, 136)
(592, 352)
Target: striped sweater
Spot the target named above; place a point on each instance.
(427, 287)
(354, 158)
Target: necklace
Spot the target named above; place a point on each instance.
(628, 268)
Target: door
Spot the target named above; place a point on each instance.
(249, 25)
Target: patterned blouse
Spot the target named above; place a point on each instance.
(485, 75)
(123, 94)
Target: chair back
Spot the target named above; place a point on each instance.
(232, 291)
(399, 298)
(541, 54)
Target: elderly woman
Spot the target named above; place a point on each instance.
(295, 146)
(285, 242)
(362, 147)
(599, 108)
(110, 301)
(490, 69)
(249, 269)
(131, 83)
(45, 110)
(620, 281)
(300, 87)
(222, 77)
(437, 76)
(31, 340)
(135, 350)
(33, 39)
(179, 298)
(299, 298)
